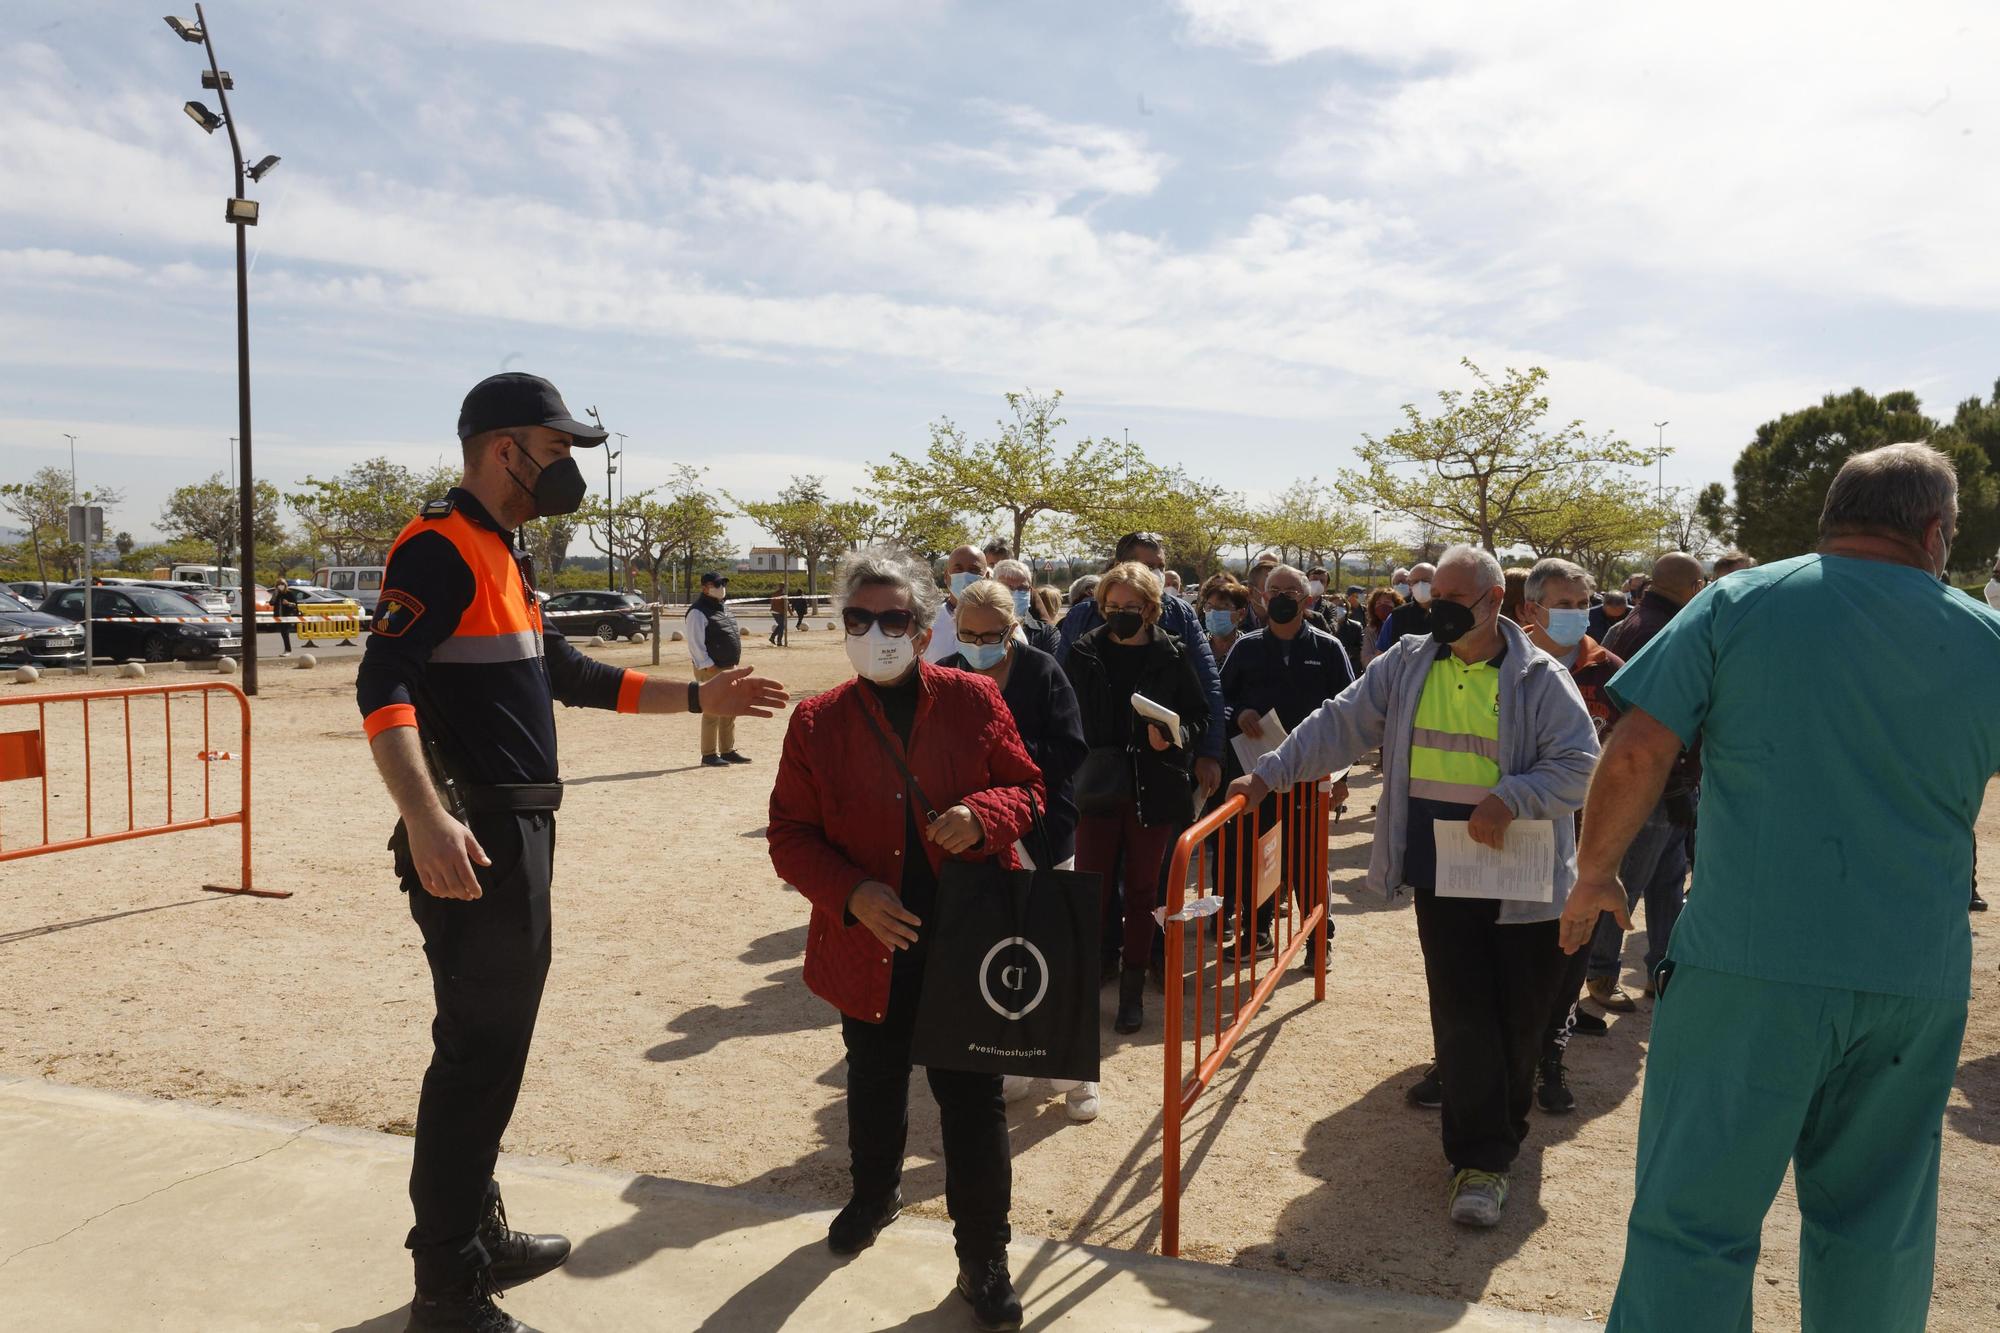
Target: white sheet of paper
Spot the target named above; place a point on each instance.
(1523, 870)
(1158, 712)
(1249, 751)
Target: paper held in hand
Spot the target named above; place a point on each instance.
(1522, 871)
(1250, 749)
(1159, 713)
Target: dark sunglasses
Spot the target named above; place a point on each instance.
(895, 624)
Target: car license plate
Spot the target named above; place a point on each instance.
(229, 643)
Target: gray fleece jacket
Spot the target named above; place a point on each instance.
(1548, 748)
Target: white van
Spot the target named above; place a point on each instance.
(215, 576)
(361, 582)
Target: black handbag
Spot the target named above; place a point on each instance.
(1105, 781)
(1012, 968)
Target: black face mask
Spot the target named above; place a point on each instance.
(559, 487)
(1284, 609)
(1451, 622)
(1125, 624)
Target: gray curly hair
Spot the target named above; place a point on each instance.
(886, 567)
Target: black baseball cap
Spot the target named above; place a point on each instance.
(1355, 588)
(515, 399)
(714, 576)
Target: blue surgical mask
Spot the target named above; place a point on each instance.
(1021, 603)
(962, 580)
(1567, 627)
(983, 656)
(1219, 621)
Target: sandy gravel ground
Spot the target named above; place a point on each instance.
(677, 1037)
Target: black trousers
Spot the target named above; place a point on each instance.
(978, 1177)
(489, 958)
(1562, 1013)
(1491, 988)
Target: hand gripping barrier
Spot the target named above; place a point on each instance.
(24, 756)
(1285, 860)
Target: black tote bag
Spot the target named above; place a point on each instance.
(1011, 977)
(1010, 986)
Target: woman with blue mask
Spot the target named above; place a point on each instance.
(992, 643)
(1225, 604)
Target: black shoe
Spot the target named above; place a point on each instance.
(468, 1311)
(858, 1224)
(714, 761)
(1552, 1092)
(1131, 1000)
(988, 1289)
(1587, 1024)
(735, 757)
(1978, 904)
(1267, 940)
(1428, 1092)
(518, 1256)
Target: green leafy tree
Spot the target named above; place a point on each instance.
(1308, 522)
(1017, 475)
(356, 516)
(207, 512)
(805, 523)
(1783, 474)
(547, 541)
(1485, 464)
(41, 505)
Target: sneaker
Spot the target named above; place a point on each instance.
(1609, 997)
(1586, 1024)
(858, 1224)
(735, 757)
(1428, 1092)
(1477, 1197)
(1081, 1102)
(1552, 1092)
(714, 761)
(1978, 904)
(989, 1290)
(1267, 940)
(1016, 1087)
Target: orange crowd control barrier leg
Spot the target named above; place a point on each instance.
(25, 757)
(1282, 862)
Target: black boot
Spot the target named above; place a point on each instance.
(465, 1306)
(1131, 999)
(988, 1289)
(858, 1224)
(1552, 1087)
(518, 1257)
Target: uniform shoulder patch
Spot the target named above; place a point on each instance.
(395, 612)
(437, 508)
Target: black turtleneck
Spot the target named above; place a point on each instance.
(919, 890)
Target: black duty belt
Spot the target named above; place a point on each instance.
(519, 797)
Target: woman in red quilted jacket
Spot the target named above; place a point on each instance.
(848, 833)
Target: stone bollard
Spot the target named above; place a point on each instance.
(131, 671)
(225, 666)
(677, 636)
(305, 662)
(26, 675)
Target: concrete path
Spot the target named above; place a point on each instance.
(128, 1213)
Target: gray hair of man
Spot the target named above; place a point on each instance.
(1555, 569)
(885, 567)
(1082, 588)
(1897, 491)
(1293, 570)
(1011, 569)
(1484, 561)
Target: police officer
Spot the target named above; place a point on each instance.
(457, 689)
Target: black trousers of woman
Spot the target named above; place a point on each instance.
(978, 1176)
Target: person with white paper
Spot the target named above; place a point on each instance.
(1272, 681)
(1478, 727)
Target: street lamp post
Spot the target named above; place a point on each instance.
(72, 467)
(610, 506)
(241, 213)
(1660, 478)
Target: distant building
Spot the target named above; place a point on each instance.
(771, 560)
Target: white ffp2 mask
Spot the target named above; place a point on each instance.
(879, 657)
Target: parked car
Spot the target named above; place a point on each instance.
(147, 623)
(49, 640)
(212, 601)
(32, 591)
(608, 615)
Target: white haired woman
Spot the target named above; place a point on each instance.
(845, 829)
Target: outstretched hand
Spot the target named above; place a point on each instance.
(739, 693)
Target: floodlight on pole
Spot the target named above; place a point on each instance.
(187, 32)
(217, 79)
(203, 117)
(263, 167)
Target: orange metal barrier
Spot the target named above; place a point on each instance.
(24, 756)
(1292, 869)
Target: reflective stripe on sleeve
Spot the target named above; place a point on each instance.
(628, 691)
(387, 716)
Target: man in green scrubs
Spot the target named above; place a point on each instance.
(1814, 995)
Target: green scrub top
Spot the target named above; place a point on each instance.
(1849, 724)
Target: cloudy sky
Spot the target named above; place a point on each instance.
(781, 236)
